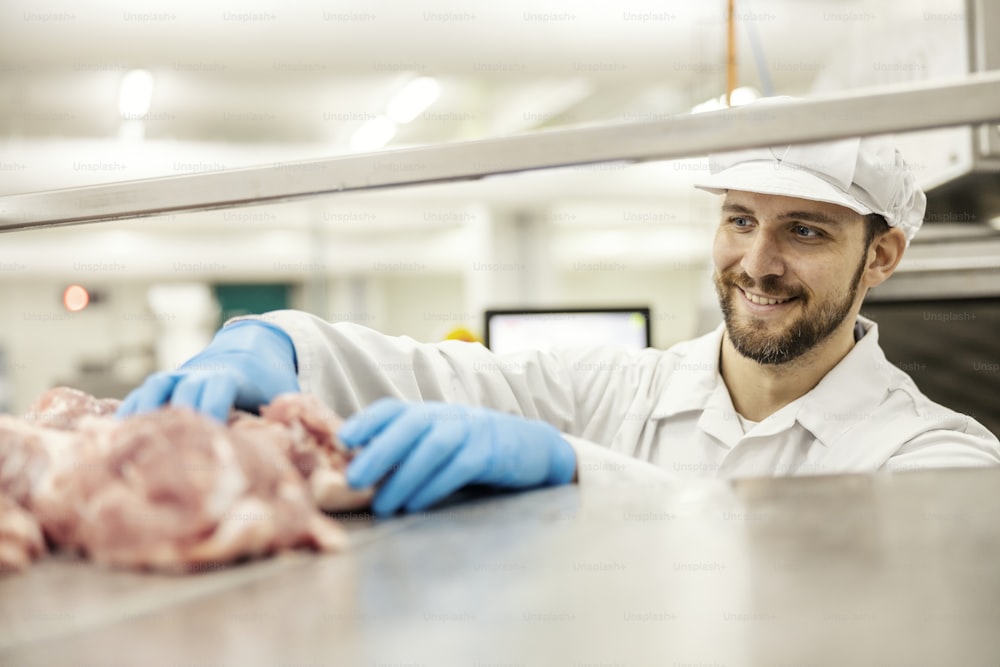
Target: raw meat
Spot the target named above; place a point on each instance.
(23, 458)
(63, 407)
(31, 457)
(316, 451)
(172, 489)
(20, 536)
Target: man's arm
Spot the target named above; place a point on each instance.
(350, 367)
(585, 397)
(972, 447)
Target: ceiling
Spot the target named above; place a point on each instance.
(310, 72)
(266, 81)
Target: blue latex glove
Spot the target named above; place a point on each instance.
(246, 365)
(434, 449)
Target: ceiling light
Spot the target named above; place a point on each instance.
(742, 95)
(75, 298)
(132, 130)
(713, 104)
(136, 94)
(413, 99)
(373, 135)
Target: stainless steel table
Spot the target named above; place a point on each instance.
(846, 570)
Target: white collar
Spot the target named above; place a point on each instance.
(842, 399)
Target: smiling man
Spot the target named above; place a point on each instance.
(793, 382)
(805, 233)
(791, 276)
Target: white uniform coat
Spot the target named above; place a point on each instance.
(669, 408)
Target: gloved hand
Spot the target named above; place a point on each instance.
(246, 365)
(434, 449)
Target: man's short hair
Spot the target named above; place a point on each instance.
(875, 227)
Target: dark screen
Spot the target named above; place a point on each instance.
(951, 349)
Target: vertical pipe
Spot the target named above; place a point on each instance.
(731, 52)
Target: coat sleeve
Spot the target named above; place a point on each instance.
(350, 366)
(970, 446)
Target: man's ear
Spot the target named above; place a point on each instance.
(883, 256)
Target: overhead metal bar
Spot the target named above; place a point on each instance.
(902, 108)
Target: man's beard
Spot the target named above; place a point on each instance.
(751, 337)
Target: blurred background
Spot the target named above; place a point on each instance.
(105, 90)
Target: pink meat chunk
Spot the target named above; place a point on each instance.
(173, 490)
(21, 538)
(316, 451)
(170, 490)
(63, 407)
(23, 458)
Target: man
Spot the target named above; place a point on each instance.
(794, 382)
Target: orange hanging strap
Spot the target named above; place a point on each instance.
(731, 53)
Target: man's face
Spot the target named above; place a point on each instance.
(787, 272)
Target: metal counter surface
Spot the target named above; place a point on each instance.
(839, 570)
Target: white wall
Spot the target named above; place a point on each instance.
(427, 307)
(45, 344)
(671, 295)
(405, 274)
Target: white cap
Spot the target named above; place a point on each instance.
(867, 175)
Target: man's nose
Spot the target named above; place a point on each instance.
(763, 257)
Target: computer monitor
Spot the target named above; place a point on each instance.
(515, 330)
(949, 346)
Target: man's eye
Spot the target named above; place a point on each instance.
(806, 232)
(739, 221)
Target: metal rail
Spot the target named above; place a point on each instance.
(973, 99)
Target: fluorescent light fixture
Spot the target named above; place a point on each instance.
(136, 93)
(742, 95)
(373, 135)
(413, 99)
(132, 130)
(713, 104)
